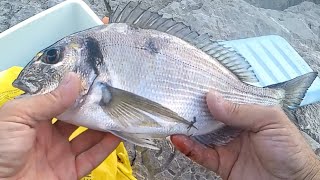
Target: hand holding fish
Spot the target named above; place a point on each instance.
(270, 147)
(32, 148)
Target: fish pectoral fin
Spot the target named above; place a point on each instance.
(133, 110)
(136, 139)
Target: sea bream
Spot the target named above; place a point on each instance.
(146, 77)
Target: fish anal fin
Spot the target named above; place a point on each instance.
(135, 139)
(219, 137)
(133, 14)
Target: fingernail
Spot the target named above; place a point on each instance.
(219, 98)
(216, 97)
(182, 142)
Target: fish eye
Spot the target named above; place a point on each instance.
(52, 56)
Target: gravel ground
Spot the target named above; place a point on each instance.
(297, 21)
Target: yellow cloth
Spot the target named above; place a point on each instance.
(115, 167)
(7, 91)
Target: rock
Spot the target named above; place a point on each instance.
(22, 12)
(5, 13)
(317, 152)
(166, 164)
(277, 4)
(12, 13)
(50, 3)
(309, 120)
(314, 144)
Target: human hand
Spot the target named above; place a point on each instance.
(270, 147)
(32, 148)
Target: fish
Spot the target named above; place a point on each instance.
(145, 77)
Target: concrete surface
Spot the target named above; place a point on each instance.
(278, 4)
(224, 20)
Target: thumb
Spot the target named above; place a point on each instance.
(50, 105)
(244, 116)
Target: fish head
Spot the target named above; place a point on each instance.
(47, 68)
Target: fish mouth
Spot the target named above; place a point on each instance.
(20, 85)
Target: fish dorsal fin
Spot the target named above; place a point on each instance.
(136, 16)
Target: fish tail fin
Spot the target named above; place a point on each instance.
(218, 137)
(295, 91)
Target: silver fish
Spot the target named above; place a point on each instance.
(145, 77)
